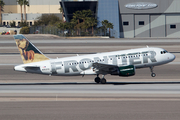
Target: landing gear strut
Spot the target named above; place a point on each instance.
(152, 73)
(99, 80)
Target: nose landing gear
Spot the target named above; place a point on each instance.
(152, 73)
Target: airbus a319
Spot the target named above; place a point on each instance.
(120, 63)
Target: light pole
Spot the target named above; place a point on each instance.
(23, 4)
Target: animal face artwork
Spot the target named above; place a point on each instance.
(28, 52)
(22, 43)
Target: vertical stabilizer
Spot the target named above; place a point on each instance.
(29, 53)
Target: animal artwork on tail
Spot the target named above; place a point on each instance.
(28, 52)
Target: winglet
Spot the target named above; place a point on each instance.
(29, 53)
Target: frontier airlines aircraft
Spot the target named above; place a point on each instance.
(120, 63)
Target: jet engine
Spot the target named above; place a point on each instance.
(124, 71)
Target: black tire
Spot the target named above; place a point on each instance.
(153, 75)
(103, 81)
(97, 80)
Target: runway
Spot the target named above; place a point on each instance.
(89, 45)
(25, 96)
(85, 110)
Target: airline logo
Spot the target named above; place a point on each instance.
(141, 5)
(86, 63)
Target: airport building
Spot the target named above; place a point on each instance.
(36, 8)
(149, 18)
(131, 18)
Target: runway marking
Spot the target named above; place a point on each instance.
(8, 64)
(100, 41)
(174, 63)
(15, 99)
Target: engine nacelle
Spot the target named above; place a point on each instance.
(124, 71)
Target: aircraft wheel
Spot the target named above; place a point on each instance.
(153, 75)
(103, 81)
(97, 80)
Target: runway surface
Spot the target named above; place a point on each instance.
(85, 110)
(51, 45)
(25, 96)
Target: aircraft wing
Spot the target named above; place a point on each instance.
(101, 68)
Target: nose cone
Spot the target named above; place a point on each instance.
(171, 57)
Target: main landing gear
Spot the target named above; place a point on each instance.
(99, 80)
(152, 73)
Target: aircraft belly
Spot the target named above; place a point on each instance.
(68, 74)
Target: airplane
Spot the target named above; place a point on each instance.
(121, 63)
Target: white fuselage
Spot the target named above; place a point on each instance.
(81, 65)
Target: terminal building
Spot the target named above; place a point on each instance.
(36, 8)
(131, 18)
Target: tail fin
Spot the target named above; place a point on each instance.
(29, 53)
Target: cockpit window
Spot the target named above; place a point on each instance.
(163, 52)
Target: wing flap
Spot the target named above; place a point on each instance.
(101, 68)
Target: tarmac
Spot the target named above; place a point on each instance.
(25, 96)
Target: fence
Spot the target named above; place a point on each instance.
(69, 33)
